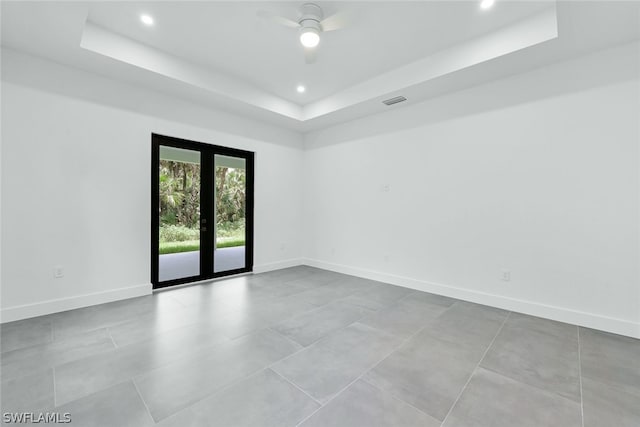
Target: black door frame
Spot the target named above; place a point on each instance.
(207, 188)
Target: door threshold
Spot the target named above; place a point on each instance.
(200, 282)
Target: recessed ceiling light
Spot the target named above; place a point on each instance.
(486, 4)
(146, 20)
(301, 89)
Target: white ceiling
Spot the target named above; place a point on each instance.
(221, 54)
(230, 38)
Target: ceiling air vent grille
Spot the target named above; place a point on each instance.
(395, 100)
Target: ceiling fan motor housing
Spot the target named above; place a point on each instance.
(311, 16)
(310, 25)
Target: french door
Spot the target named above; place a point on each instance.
(201, 211)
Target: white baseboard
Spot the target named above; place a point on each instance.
(11, 314)
(589, 320)
(263, 268)
(19, 312)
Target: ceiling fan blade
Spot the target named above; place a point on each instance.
(334, 22)
(310, 55)
(281, 20)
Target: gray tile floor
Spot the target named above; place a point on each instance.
(308, 347)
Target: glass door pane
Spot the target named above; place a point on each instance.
(230, 213)
(179, 213)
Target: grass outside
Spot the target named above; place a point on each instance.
(194, 245)
(177, 247)
(229, 242)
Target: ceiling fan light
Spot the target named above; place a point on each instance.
(486, 4)
(146, 20)
(309, 37)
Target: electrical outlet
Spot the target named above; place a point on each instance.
(58, 271)
(506, 275)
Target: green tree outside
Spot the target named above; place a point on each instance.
(180, 207)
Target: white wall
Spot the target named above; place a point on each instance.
(76, 185)
(537, 174)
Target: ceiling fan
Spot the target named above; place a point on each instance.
(311, 24)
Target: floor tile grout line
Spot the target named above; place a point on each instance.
(202, 351)
(126, 380)
(237, 380)
(290, 355)
(393, 396)
(351, 292)
(135, 385)
(111, 337)
(216, 392)
(537, 388)
(200, 399)
(55, 398)
(417, 291)
(305, 347)
(280, 334)
(580, 375)
(486, 351)
(148, 371)
(180, 303)
(313, 310)
(231, 384)
(420, 330)
(362, 316)
(296, 386)
(97, 328)
(367, 370)
(32, 345)
(362, 375)
(394, 303)
(553, 393)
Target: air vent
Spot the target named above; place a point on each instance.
(394, 100)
